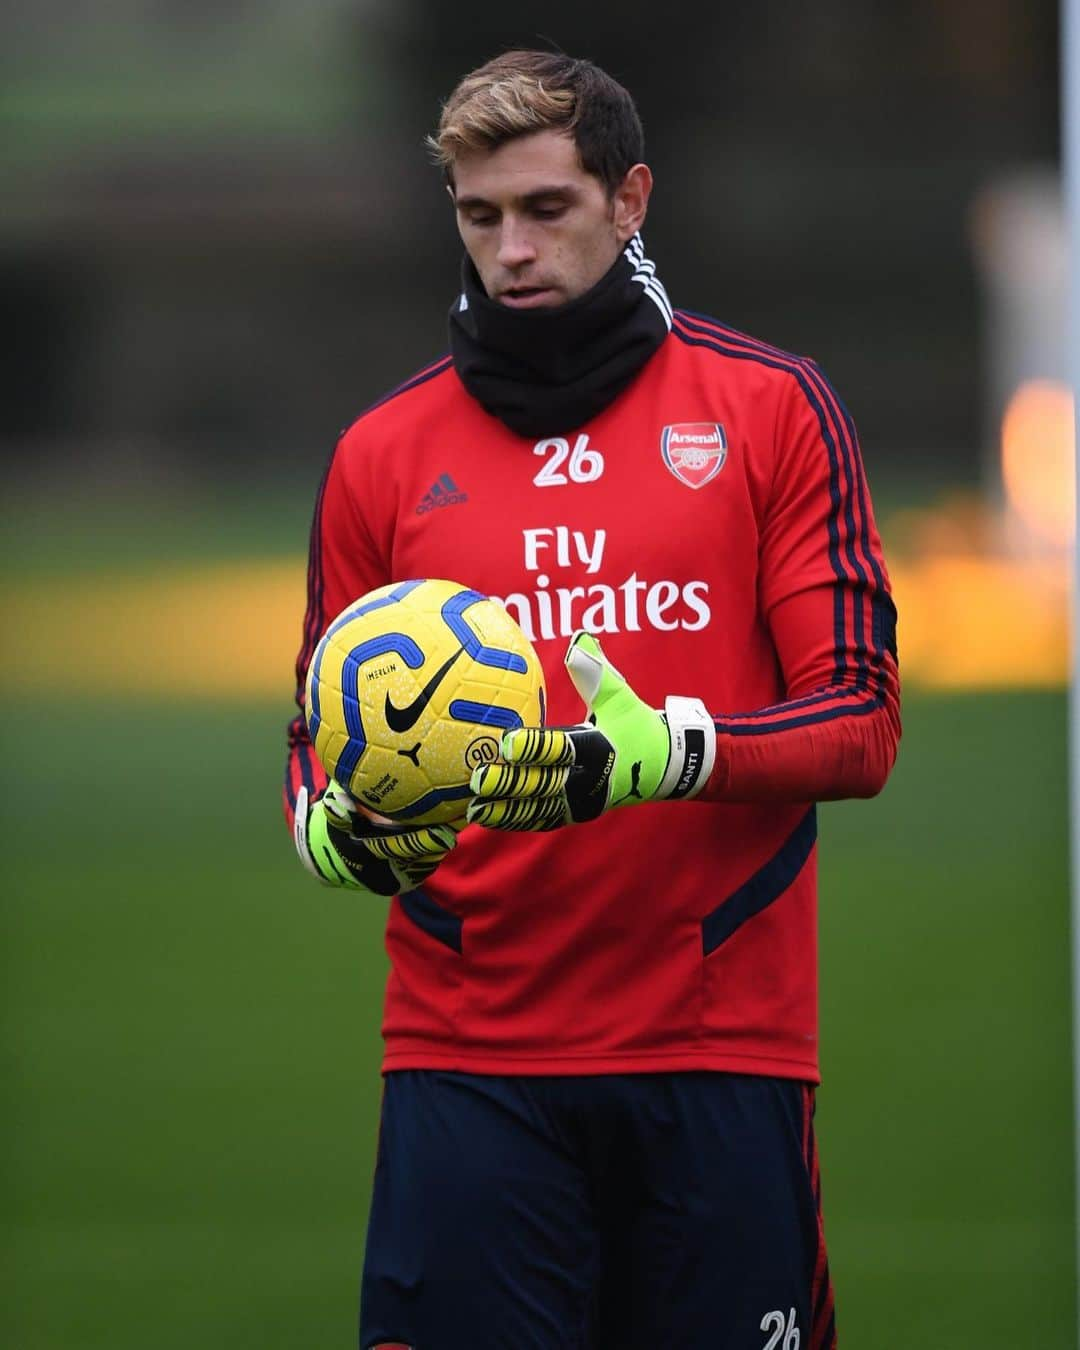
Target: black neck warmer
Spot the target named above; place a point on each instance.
(546, 371)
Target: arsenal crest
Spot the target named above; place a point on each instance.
(695, 452)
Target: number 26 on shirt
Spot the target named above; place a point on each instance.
(584, 466)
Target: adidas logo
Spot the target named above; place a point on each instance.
(443, 492)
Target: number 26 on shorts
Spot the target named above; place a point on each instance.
(785, 1334)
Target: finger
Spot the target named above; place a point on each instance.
(300, 834)
(604, 688)
(519, 813)
(415, 874)
(433, 841)
(550, 746)
(340, 806)
(444, 833)
(516, 780)
(585, 664)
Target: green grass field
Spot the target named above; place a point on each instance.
(191, 1040)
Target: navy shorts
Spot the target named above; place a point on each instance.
(675, 1211)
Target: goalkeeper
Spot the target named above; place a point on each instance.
(601, 1014)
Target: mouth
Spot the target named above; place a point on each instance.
(527, 297)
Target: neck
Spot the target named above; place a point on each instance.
(546, 371)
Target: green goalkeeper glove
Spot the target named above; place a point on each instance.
(342, 846)
(625, 752)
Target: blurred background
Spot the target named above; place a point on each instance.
(219, 241)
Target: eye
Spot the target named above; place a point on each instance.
(549, 212)
(480, 219)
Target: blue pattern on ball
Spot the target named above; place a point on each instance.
(484, 714)
(453, 614)
(354, 612)
(399, 643)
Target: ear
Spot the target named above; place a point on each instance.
(631, 201)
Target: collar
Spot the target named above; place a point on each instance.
(546, 371)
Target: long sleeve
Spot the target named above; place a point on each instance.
(824, 592)
(343, 563)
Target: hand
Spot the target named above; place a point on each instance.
(342, 846)
(625, 752)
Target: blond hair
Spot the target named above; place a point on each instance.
(521, 92)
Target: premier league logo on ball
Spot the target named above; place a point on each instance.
(695, 452)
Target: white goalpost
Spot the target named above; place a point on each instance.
(1070, 95)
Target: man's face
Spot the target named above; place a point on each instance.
(539, 229)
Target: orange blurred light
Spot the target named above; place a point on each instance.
(229, 630)
(1038, 449)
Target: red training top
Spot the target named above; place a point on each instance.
(713, 526)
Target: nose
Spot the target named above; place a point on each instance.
(515, 246)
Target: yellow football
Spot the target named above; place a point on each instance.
(411, 688)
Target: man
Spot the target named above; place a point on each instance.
(601, 1044)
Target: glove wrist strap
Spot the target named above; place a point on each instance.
(312, 840)
(693, 748)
